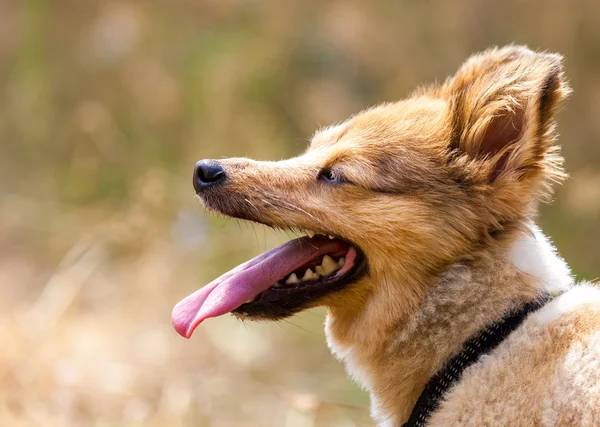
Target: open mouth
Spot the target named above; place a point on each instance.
(275, 284)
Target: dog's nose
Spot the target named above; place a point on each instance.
(207, 173)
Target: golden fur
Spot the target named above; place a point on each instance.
(437, 190)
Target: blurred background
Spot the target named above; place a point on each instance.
(105, 106)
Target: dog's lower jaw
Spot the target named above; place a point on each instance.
(394, 365)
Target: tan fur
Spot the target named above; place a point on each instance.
(544, 375)
(441, 186)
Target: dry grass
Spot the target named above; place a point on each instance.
(91, 343)
(106, 106)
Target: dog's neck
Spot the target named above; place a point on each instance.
(394, 355)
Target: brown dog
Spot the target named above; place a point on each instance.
(422, 212)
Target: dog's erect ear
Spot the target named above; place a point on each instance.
(502, 104)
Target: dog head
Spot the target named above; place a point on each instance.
(403, 189)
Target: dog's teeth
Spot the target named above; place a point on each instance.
(310, 234)
(249, 301)
(319, 270)
(309, 275)
(331, 237)
(341, 262)
(329, 265)
(292, 279)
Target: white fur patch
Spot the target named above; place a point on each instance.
(346, 355)
(386, 423)
(568, 302)
(534, 254)
(336, 348)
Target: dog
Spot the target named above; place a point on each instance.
(445, 301)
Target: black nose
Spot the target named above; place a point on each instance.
(207, 173)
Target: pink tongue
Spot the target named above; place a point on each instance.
(247, 280)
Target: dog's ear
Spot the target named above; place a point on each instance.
(502, 104)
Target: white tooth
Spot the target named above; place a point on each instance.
(319, 270)
(309, 275)
(292, 279)
(341, 262)
(249, 301)
(329, 265)
(310, 234)
(331, 237)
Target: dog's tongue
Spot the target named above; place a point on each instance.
(246, 281)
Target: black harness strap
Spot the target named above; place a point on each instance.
(483, 343)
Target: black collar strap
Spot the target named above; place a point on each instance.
(484, 342)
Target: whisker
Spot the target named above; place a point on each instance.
(279, 200)
(299, 327)
(252, 205)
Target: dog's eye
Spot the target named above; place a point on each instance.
(330, 175)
